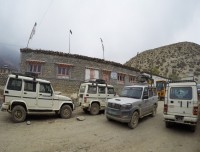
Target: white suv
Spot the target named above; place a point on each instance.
(182, 103)
(94, 95)
(26, 94)
(135, 102)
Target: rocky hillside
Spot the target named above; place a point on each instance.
(173, 61)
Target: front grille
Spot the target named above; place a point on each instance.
(114, 105)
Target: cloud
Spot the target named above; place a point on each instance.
(126, 27)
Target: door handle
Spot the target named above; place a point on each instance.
(6, 91)
(25, 92)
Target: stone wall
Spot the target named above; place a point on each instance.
(79, 64)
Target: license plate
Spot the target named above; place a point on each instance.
(112, 112)
(171, 106)
(179, 118)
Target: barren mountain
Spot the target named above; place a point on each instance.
(173, 61)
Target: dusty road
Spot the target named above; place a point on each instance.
(94, 134)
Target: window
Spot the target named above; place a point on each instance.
(111, 91)
(132, 92)
(63, 72)
(82, 89)
(106, 75)
(131, 79)
(45, 88)
(91, 74)
(92, 89)
(121, 78)
(102, 90)
(30, 86)
(14, 84)
(184, 93)
(35, 68)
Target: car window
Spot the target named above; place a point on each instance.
(132, 92)
(184, 93)
(111, 91)
(30, 86)
(45, 88)
(14, 84)
(102, 90)
(150, 93)
(92, 89)
(82, 89)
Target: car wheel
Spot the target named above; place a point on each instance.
(94, 110)
(66, 112)
(168, 124)
(18, 114)
(134, 120)
(85, 110)
(108, 118)
(154, 111)
(193, 128)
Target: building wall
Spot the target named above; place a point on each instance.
(79, 64)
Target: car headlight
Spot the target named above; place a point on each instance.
(126, 106)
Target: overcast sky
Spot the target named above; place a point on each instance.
(125, 26)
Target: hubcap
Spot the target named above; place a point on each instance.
(18, 114)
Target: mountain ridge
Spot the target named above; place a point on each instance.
(174, 61)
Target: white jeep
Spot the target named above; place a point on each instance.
(93, 95)
(26, 94)
(182, 103)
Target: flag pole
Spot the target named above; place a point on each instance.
(32, 33)
(70, 33)
(69, 41)
(102, 47)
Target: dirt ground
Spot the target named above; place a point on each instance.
(48, 133)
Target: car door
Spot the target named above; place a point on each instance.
(45, 98)
(102, 96)
(29, 94)
(150, 101)
(144, 102)
(180, 100)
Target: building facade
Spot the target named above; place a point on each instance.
(67, 71)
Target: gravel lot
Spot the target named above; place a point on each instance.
(47, 133)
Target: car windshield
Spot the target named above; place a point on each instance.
(183, 93)
(132, 92)
(160, 85)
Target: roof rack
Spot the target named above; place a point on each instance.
(27, 74)
(97, 81)
(179, 81)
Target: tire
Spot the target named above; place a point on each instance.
(168, 124)
(134, 120)
(65, 112)
(154, 111)
(18, 114)
(192, 128)
(85, 110)
(94, 110)
(108, 118)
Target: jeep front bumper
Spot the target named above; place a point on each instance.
(5, 107)
(121, 116)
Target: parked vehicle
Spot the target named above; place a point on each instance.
(26, 94)
(93, 95)
(134, 102)
(161, 89)
(182, 104)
